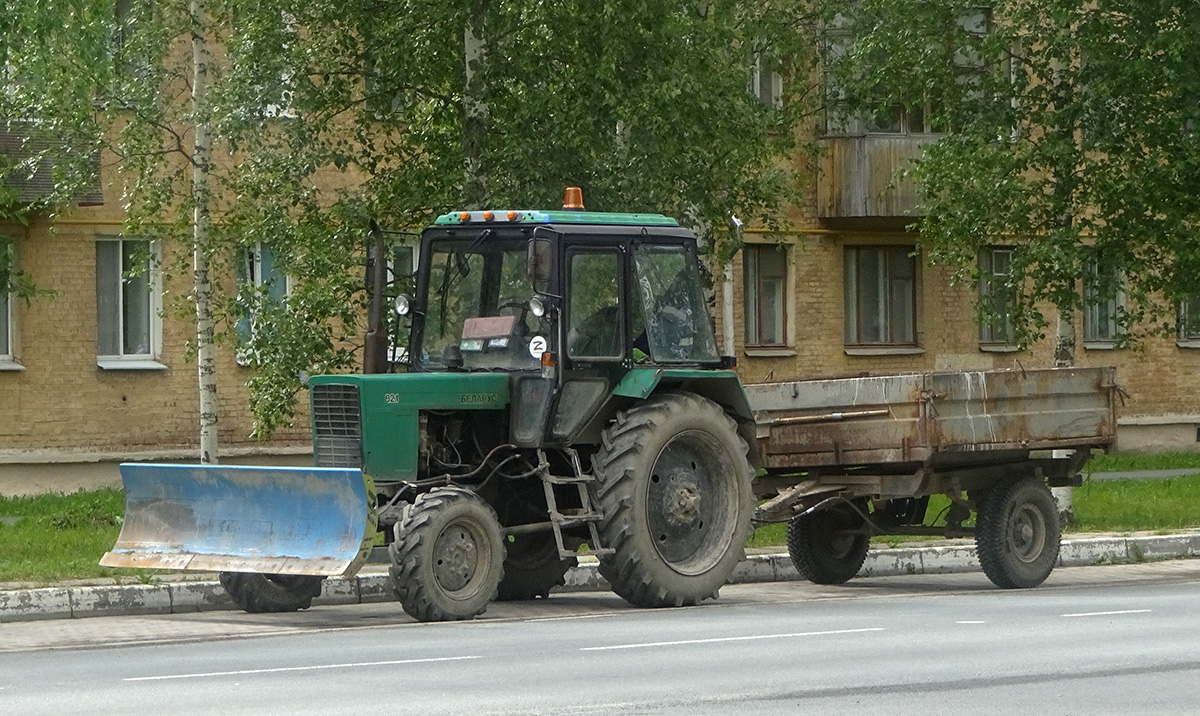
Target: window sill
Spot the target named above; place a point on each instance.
(1100, 345)
(780, 352)
(1188, 343)
(998, 348)
(10, 364)
(129, 364)
(886, 351)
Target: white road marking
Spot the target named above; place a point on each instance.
(716, 640)
(317, 667)
(574, 617)
(1105, 614)
(970, 622)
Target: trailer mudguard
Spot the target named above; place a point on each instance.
(275, 520)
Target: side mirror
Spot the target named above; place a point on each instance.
(538, 260)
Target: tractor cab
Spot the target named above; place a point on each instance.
(570, 290)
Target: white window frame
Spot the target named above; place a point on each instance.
(8, 357)
(136, 361)
(752, 283)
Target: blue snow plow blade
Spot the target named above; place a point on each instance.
(273, 520)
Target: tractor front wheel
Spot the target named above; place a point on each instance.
(673, 483)
(448, 555)
(264, 593)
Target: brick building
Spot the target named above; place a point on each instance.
(97, 373)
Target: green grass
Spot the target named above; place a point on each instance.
(1126, 461)
(1160, 504)
(48, 538)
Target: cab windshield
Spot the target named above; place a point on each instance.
(477, 309)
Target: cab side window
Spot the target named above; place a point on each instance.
(593, 311)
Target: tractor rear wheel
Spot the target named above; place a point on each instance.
(829, 546)
(448, 555)
(264, 593)
(1017, 534)
(532, 567)
(673, 484)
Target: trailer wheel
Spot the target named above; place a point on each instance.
(1017, 534)
(532, 567)
(673, 484)
(448, 556)
(829, 546)
(266, 593)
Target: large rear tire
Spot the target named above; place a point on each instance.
(1017, 534)
(448, 556)
(829, 546)
(532, 567)
(673, 483)
(268, 593)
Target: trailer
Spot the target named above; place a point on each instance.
(845, 459)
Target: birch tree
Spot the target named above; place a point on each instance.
(292, 125)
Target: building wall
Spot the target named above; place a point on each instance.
(63, 407)
(1160, 382)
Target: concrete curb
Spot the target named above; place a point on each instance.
(208, 595)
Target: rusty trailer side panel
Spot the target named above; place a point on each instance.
(916, 417)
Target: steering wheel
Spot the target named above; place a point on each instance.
(521, 311)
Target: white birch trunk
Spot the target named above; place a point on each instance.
(202, 282)
(1064, 357)
(475, 109)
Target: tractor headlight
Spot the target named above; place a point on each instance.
(403, 305)
(537, 306)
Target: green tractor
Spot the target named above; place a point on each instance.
(560, 387)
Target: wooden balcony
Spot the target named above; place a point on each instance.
(861, 176)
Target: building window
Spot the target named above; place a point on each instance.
(766, 81)
(1100, 326)
(995, 297)
(877, 112)
(1189, 321)
(260, 282)
(128, 303)
(881, 296)
(6, 350)
(765, 282)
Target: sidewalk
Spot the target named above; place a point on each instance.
(180, 593)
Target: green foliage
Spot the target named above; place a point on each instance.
(1073, 138)
(325, 114)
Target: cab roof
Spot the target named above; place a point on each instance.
(528, 217)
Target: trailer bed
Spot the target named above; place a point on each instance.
(932, 418)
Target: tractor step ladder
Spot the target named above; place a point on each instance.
(585, 514)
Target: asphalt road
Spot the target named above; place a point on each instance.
(1093, 640)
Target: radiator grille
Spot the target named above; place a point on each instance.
(337, 426)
